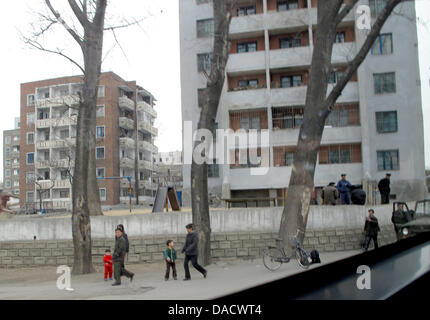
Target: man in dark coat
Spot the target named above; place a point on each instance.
(118, 259)
(344, 188)
(329, 194)
(371, 229)
(191, 251)
(127, 244)
(384, 189)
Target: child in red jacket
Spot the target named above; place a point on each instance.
(107, 259)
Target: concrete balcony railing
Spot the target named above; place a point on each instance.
(144, 164)
(250, 61)
(287, 19)
(60, 101)
(148, 146)
(142, 125)
(246, 98)
(283, 58)
(60, 122)
(350, 17)
(126, 103)
(247, 24)
(126, 163)
(126, 123)
(54, 144)
(142, 105)
(126, 142)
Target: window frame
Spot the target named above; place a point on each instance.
(104, 152)
(384, 115)
(26, 158)
(208, 28)
(383, 152)
(383, 84)
(380, 42)
(97, 132)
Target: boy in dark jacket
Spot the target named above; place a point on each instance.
(191, 251)
(170, 256)
(371, 229)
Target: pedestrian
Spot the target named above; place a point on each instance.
(344, 188)
(118, 259)
(107, 259)
(120, 226)
(191, 251)
(170, 256)
(371, 229)
(330, 194)
(384, 189)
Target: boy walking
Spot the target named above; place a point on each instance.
(191, 251)
(107, 259)
(118, 259)
(170, 256)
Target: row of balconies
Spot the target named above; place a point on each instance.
(47, 123)
(60, 101)
(65, 143)
(143, 164)
(285, 58)
(142, 105)
(65, 163)
(56, 184)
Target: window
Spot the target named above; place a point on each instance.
(376, 7)
(100, 111)
(335, 76)
(7, 151)
(340, 37)
(204, 61)
(253, 83)
(287, 117)
(16, 183)
(246, 11)
(30, 100)
(388, 160)
(344, 115)
(100, 172)
(289, 158)
(291, 81)
(250, 122)
(384, 82)
(288, 5)
(343, 153)
(16, 172)
(30, 196)
(29, 177)
(213, 170)
(383, 44)
(102, 193)
(30, 158)
(100, 152)
(7, 184)
(100, 132)
(7, 139)
(30, 137)
(386, 122)
(205, 28)
(64, 133)
(64, 174)
(7, 173)
(289, 43)
(247, 47)
(30, 118)
(64, 194)
(101, 91)
(15, 138)
(7, 163)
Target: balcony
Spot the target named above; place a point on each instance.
(350, 17)
(126, 123)
(60, 101)
(147, 185)
(147, 108)
(126, 142)
(126, 103)
(126, 163)
(250, 61)
(56, 122)
(142, 125)
(287, 19)
(144, 164)
(291, 57)
(343, 52)
(251, 98)
(247, 24)
(53, 144)
(148, 146)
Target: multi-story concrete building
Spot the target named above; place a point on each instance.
(169, 169)
(48, 118)
(11, 151)
(376, 125)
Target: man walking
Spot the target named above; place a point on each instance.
(371, 229)
(344, 188)
(330, 194)
(384, 189)
(118, 259)
(191, 250)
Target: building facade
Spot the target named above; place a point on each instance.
(169, 169)
(49, 118)
(11, 152)
(376, 125)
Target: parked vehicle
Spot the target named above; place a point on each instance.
(419, 221)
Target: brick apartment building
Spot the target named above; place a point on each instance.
(11, 152)
(48, 134)
(376, 125)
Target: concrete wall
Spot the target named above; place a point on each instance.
(222, 221)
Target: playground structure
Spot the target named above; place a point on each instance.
(166, 194)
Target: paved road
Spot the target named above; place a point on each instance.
(148, 284)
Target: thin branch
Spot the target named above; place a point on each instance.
(119, 44)
(128, 24)
(78, 13)
(345, 10)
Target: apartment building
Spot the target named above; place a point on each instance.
(11, 152)
(169, 168)
(376, 125)
(48, 131)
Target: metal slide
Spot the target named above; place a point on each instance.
(160, 199)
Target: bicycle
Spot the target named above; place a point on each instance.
(274, 257)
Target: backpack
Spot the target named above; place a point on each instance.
(315, 256)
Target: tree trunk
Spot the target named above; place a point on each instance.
(317, 109)
(209, 98)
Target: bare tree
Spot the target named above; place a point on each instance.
(208, 102)
(317, 108)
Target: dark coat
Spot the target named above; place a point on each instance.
(343, 186)
(384, 186)
(170, 253)
(120, 250)
(371, 228)
(191, 244)
(329, 195)
(126, 241)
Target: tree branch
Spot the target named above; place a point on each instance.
(345, 10)
(128, 24)
(83, 19)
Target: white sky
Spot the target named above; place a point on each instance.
(152, 59)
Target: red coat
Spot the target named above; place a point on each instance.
(107, 259)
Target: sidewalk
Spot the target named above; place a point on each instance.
(148, 284)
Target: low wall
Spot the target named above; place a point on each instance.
(224, 246)
(222, 221)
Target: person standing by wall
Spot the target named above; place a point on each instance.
(371, 229)
(330, 194)
(384, 189)
(344, 188)
(118, 259)
(191, 251)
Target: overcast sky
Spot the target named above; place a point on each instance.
(152, 58)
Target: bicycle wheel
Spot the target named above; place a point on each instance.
(302, 258)
(272, 258)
